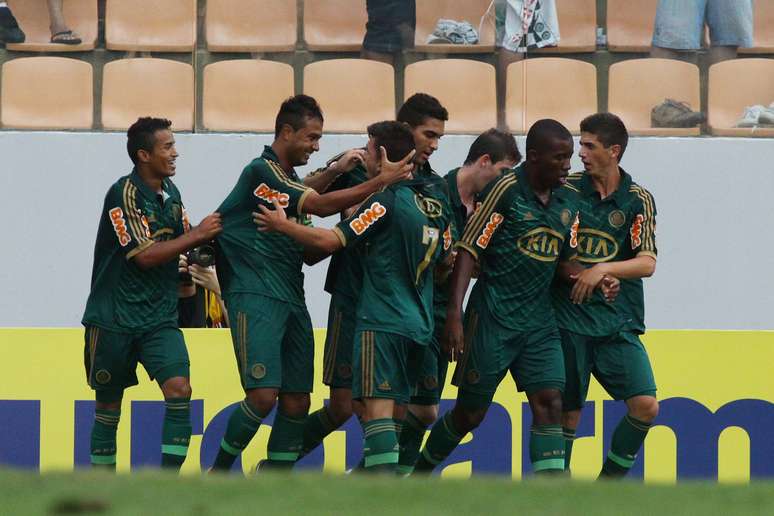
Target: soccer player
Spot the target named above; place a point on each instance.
(491, 153)
(616, 238)
(397, 234)
(262, 284)
(526, 221)
(131, 313)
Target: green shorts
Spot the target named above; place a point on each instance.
(534, 358)
(618, 362)
(273, 343)
(386, 365)
(111, 358)
(432, 373)
(337, 358)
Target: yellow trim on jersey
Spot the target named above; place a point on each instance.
(162, 231)
(648, 235)
(131, 213)
(468, 248)
(367, 363)
(647, 253)
(140, 248)
(283, 177)
(342, 237)
(482, 214)
(300, 204)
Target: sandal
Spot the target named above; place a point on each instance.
(66, 37)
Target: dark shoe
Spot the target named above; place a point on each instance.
(9, 28)
(672, 113)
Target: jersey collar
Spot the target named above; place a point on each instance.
(454, 192)
(557, 194)
(145, 189)
(619, 196)
(270, 155)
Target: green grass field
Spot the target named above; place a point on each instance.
(154, 493)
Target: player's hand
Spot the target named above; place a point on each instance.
(453, 339)
(348, 161)
(182, 264)
(205, 277)
(610, 288)
(208, 228)
(270, 220)
(393, 172)
(585, 283)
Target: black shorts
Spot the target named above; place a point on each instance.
(391, 25)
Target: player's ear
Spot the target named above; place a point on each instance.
(615, 151)
(143, 156)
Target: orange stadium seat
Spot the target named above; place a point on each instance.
(352, 92)
(334, 25)
(630, 25)
(132, 88)
(150, 25)
(47, 93)
(577, 26)
(763, 28)
(637, 85)
(251, 25)
(32, 15)
(464, 86)
(429, 11)
(244, 94)
(550, 87)
(734, 85)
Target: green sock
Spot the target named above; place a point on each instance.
(546, 449)
(285, 441)
(627, 441)
(443, 438)
(316, 428)
(410, 441)
(176, 432)
(380, 451)
(569, 439)
(103, 438)
(242, 426)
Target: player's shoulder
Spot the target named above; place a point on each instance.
(507, 182)
(641, 195)
(119, 188)
(574, 181)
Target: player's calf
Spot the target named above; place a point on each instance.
(322, 422)
(547, 442)
(629, 436)
(103, 433)
(176, 431)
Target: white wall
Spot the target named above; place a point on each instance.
(714, 197)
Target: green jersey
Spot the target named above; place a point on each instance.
(249, 261)
(398, 234)
(619, 227)
(125, 298)
(518, 242)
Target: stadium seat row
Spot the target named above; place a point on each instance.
(243, 94)
(270, 25)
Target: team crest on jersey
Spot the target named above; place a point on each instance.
(636, 231)
(574, 231)
(616, 218)
(566, 216)
(258, 371)
(596, 246)
(429, 206)
(119, 226)
(542, 244)
(270, 195)
(367, 218)
(486, 235)
(102, 376)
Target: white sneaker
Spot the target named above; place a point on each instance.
(767, 116)
(751, 116)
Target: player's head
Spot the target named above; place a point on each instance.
(298, 128)
(490, 154)
(395, 137)
(603, 141)
(427, 118)
(151, 146)
(549, 150)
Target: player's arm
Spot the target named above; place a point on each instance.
(453, 337)
(320, 180)
(320, 241)
(334, 202)
(163, 252)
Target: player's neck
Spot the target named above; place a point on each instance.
(606, 181)
(466, 184)
(542, 192)
(153, 181)
(282, 156)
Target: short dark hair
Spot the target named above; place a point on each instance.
(609, 130)
(499, 145)
(542, 132)
(295, 111)
(142, 135)
(419, 107)
(395, 137)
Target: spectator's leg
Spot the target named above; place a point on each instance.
(60, 33)
(390, 29)
(679, 26)
(730, 26)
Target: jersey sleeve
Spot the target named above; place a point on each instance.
(368, 219)
(570, 246)
(129, 223)
(642, 227)
(271, 183)
(488, 217)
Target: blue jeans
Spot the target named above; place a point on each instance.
(680, 23)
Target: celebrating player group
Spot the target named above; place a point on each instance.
(559, 260)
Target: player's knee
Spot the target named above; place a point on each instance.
(426, 414)
(340, 411)
(644, 408)
(571, 419)
(262, 400)
(178, 387)
(294, 404)
(466, 420)
(546, 407)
